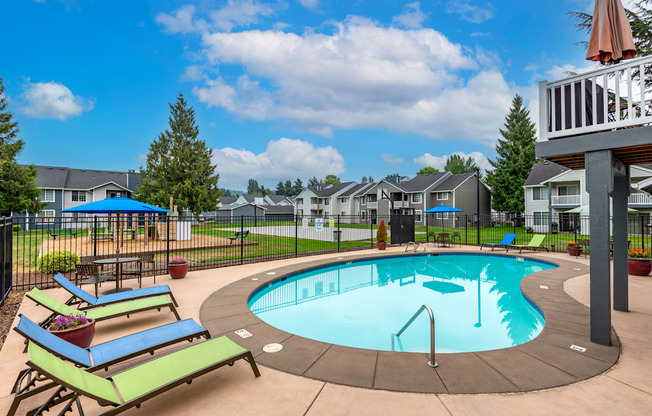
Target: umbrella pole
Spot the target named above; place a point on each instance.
(117, 254)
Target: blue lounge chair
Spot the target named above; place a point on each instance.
(505, 243)
(98, 356)
(81, 296)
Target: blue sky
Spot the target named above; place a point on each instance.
(282, 89)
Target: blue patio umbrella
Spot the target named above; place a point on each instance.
(117, 205)
(440, 209)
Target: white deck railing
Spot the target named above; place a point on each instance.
(586, 103)
(567, 200)
(639, 199)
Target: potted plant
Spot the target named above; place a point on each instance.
(381, 236)
(76, 329)
(178, 267)
(554, 227)
(573, 249)
(639, 262)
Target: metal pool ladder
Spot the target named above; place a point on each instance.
(432, 363)
(414, 246)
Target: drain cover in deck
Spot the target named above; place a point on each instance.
(272, 347)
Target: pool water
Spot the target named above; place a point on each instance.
(476, 299)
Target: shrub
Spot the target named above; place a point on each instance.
(16, 227)
(57, 261)
(381, 235)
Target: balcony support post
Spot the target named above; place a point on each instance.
(600, 185)
(620, 195)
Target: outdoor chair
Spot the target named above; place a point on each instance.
(102, 313)
(98, 356)
(91, 274)
(80, 296)
(456, 237)
(240, 235)
(504, 243)
(535, 244)
(443, 239)
(584, 244)
(145, 258)
(131, 387)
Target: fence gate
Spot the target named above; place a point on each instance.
(402, 228)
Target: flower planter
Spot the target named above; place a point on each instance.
(178, 271)
(574, 250)
(639, 267)
(382, 245)
(82, 336)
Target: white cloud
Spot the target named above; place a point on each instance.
(480, 34)
(193, 73)
(412, 17)
(469, 12)
(310, 4)
(235, 13)
(438, 162)
(391, 159)
(52, 100)
(363, 75)
(284, 158)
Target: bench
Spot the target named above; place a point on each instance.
(240, 235)
(54, 233)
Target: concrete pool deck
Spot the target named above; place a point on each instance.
(626, 388)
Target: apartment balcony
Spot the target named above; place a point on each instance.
(640, 199)
(372, 205)
(566, 200)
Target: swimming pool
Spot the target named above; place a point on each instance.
(476, 300)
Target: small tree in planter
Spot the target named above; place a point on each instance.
(639, 262)
(573, 249)
(381, 236)
(76, 329)
(178, 267)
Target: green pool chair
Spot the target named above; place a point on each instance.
(80, 296)
(104, 312)
(132, 387)
(535, 244)
(98, 356)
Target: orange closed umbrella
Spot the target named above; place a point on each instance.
(611, 35)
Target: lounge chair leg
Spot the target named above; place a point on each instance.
(174, 311)
(250, 358)
(174, 300)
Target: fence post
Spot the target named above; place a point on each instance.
(241, 239)
(167, 245)
(339, 236)
(643, 232)
(296, 235)
(478, 226)
(2, 259)
(514, 223)
(94, 235)
(371, 231)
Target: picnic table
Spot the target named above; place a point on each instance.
(241, 235)
(54, 233)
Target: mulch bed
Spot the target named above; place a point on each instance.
(8, 313)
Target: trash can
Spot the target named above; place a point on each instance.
(337, 236)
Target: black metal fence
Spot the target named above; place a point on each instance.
(28, 243)
(6, 240)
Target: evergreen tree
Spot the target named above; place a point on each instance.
(515, 159)
(331, 180)
(370, 178)
(253, 187)
(312, 182)
(288, 188)
(18, 190)
(456, 164)
(298, 187)
(264, 191)
(225, 192)
(364, 180)
(280, 188)
(427, 170)
(179, 165)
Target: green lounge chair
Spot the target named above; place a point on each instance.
(98, 356)
(102, 313)
(132, 387)
(535, 244)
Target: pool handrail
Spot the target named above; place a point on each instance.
(432, 363)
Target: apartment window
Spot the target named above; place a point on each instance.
(540, 193)
(441, 196)
(299, 201)
(48, 214)
(566, 190)
(344, 200)
(343, 213)
(442, 215)
(416, 198)
(327, 201)
(540, 218)
(372, 198)
(48, 195)
(78, 196)
(417, 215)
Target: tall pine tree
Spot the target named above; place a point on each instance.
(179, 165)
(456, 164)
(18, 190)
(515, 159)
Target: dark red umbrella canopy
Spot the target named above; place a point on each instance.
(611, 35)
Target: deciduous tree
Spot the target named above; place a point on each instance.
(427, 170)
